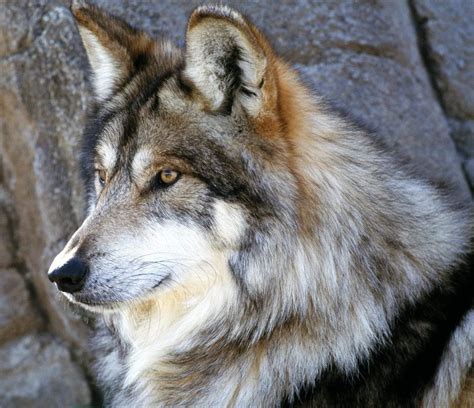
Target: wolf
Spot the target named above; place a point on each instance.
(247, 246)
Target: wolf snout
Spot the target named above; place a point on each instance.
(71, 276)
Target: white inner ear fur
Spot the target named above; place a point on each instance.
(105, 68)
(208, 44)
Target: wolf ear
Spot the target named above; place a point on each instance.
(114, 48)
(227, 59)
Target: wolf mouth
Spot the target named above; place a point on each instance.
(89, 300)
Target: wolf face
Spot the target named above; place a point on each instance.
(183, 154)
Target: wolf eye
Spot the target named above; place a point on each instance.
(168, 176)
(101, 176)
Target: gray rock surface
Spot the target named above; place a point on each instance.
(469, 169)
(364, 56)
(447, 33)
(43, 99)
(462, 132)
(449, 30)
(37, 371)
(6, 245)
(17, 315)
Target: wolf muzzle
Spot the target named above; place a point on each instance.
(71, 276)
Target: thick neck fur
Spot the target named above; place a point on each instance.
(336, 279)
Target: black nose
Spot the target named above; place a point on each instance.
(71, 276)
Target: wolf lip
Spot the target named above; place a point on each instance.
(83, 299)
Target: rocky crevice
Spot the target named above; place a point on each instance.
(16, 261)
(449, 79)
(423, 44)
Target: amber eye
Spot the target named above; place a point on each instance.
(168, 176)
(101, 176)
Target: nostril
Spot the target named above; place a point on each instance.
(70, 281)
(71, 276)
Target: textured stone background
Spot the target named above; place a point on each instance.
(404, 67)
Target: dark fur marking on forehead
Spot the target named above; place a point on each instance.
(131, 122)
(155, 83)
(224, 177)
(126, 140)
(95, 125)
(140, 62)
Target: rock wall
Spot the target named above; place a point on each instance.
(405, 68)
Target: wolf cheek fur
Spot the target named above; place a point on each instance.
(292, 262)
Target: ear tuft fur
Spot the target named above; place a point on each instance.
(226, 58)
(77, 4)
(213, 11)
(114, 48)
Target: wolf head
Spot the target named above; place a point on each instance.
(187, 163)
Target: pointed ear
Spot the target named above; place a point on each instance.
(114, 49)
(228, 60)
